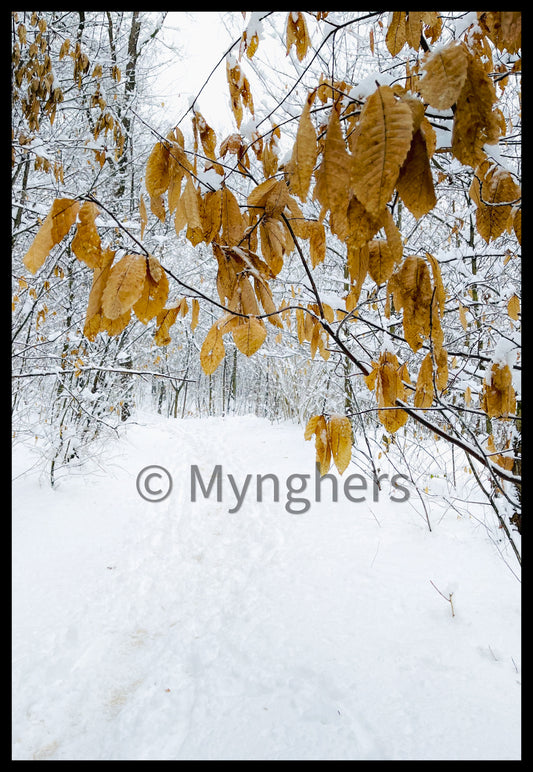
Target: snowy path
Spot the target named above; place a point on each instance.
(178, 630)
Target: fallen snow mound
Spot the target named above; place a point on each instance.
(179, 629)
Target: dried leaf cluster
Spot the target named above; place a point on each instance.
(135, 284)
(333, 441)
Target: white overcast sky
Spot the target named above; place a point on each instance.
(202, 39)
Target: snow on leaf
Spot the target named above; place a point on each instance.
(444, 76)
(475, 123)
(498, 399)
(297, 34)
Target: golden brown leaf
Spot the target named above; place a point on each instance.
(505, 461)
(300, 324)
(424, 384)
(124, 286)
(165, 319)
(340, 439)
(54, 228)
(249, 335)
(213, 350)
(232, 222)
(415, 181)
(297, 34)
(433, 25)
(497, 192)
(441, 361)
(317, 242)
(417, 108)
(392, 418)
(412, 291)
(154, 294)
(259, 196)
(226, 274)
(248, 44)
(513, 307)
(143, 215)
(251, 262)
(212, 214)
(444, 76)
(311, 427)
(517, 224)
(270, 158)
(314, 339)
(157, 207)
(395, 38)
(393, 235)
(504, 29)
(278, 199)
(440, 292)
(475, 123)
(174, 186)
(462, 317)
(232, 144)
(413, 28)
(361, 225)
(207, 135)
(304, 153)
(155, 269)
(317, 425)
(357, 262)
(309, 326)
(273, 243)
(380, 261)
(93, 316)
(510, 31)
(429, 135)
(239, 88)
(385, 380)
(244, 300)
(86, 243)
(498, 399)
(157, 176)
(189, 213)
(115, 326)
(195, 313)
(324, 352)
(264, 295)
(383, 140)
(333, 175)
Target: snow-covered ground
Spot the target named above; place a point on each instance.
(180, 630)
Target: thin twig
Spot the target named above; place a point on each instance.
(449, 598)
(87, 368)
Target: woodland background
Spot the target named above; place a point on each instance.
(87, 117)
